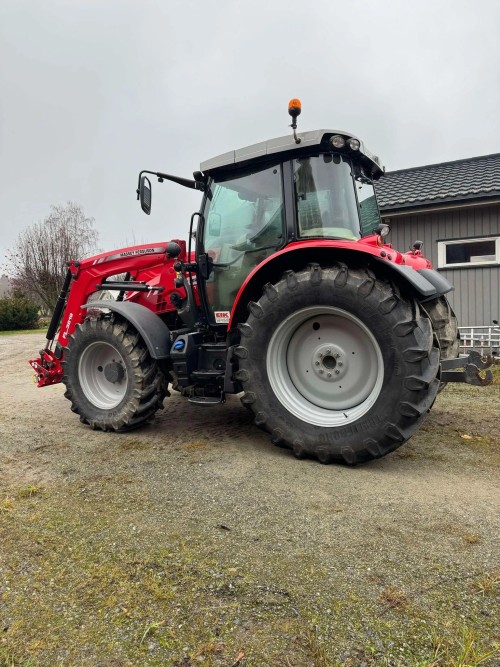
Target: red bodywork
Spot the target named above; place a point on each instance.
(371, 245)
(149, 263)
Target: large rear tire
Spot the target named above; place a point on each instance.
(336, 364)
(445, 327)
(110, 377)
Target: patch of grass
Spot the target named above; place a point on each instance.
(81, 589)
(471, 538)
(487, 584)
(28, 491)
(394, 597)
(8, 659)
(196, 445)
(313, 646)
(495, 370)
(150, 630)
(131, 445)
(460, 649)
(7, 504)
(23, 331)
(407, 452)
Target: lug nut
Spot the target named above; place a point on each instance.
(316, 363)
(337, 355)
(337, 372)
(340, 364)
(328, 351)
(329, 375)
(321, 371)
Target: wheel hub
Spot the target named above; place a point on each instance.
(329, 362)
(113, 372)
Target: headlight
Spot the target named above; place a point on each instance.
(337, 141)
(383, 230)
(353, 144)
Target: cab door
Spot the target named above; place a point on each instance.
(243, 224)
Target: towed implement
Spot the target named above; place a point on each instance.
(290, 295)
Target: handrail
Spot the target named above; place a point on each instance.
(480, 337)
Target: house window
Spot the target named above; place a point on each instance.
(468, 252)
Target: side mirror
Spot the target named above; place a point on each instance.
(145, 194)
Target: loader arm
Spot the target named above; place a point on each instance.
(148, 270)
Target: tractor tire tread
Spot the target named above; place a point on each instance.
(419, 358)
(149, 385)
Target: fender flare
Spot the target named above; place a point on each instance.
(427, 284)
(152, 329)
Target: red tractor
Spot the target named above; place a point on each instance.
(291, 295)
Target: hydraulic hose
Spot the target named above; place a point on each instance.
(59, 308)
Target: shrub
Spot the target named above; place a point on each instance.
(17, 312)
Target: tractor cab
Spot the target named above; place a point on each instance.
(310, 187)
(261, 198)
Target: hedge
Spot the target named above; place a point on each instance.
(17, 312)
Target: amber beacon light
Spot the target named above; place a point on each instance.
(294, 109)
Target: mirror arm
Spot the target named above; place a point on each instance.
(186, 182)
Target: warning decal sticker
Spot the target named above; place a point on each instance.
(222, 316)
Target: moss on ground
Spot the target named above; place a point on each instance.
(97, 570)
(75, 591)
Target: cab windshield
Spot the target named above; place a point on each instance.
(327, 206)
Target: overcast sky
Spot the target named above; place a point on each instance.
(92, 91)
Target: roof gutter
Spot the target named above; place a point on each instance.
(387, 213)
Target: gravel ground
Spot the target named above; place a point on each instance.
(287, 562)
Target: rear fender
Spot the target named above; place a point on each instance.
(418, 278)
(152, 329)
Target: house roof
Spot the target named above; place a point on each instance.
(472, 178)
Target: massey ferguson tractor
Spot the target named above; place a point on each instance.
(290, 296)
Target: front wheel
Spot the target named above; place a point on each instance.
(336, 364)
(110, 377)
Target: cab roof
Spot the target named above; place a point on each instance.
(287, 143)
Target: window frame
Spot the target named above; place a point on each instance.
(349, 162)
(444, 243)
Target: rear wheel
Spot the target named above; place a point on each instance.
(110, 377)
(336, 364)
(445, 326)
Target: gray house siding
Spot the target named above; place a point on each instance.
(476, 299)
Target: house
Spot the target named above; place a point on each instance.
(454, 208)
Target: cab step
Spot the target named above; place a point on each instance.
(207, 400)
(207, 374)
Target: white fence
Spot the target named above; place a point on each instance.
(485, 338)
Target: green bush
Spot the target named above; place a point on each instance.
(17, 312)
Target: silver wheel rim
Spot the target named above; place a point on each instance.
(102, 374)
(325, 366)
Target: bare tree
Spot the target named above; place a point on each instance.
(37, 263)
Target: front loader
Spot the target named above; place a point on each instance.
(290, 296)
